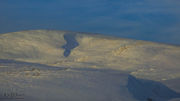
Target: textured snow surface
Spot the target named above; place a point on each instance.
(42, 65)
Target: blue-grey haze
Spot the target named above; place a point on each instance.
(152, 20)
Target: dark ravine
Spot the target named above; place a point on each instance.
(148, 90)
(71, 43)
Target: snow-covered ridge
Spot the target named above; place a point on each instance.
(88, 67)
(142, 59)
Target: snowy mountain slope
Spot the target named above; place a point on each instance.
(34, 81)
(62, 65)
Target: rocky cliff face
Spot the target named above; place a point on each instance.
(38, 56)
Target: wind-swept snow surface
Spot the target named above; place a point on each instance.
(43, 65)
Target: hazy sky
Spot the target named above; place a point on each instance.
(153, 20)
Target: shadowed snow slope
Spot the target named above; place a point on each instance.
(43, 65)
(34, 81)
(147, 89)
